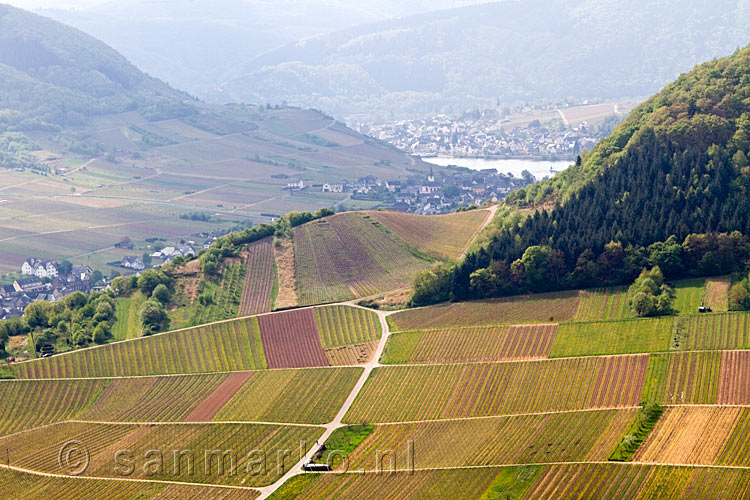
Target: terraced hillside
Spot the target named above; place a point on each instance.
(348, 256)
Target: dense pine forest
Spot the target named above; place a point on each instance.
(669, 187)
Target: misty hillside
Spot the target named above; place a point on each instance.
(467, 57)
(197, 45)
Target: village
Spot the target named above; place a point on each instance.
(446, 190)
(489, 134)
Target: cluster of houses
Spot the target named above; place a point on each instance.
(479, 137)
(43, 280)
(167, 254)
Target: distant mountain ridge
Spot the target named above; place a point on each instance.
(468, 57)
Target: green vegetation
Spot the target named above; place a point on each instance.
(127, 313)
(669, 188)
(612, 337)
(400, 347)
(644, 422)
(603, 304)
(344, 325)
(342, 442)
(689, 296)
(650, 296)
(739, 295)
(511, 483)
(682, 378)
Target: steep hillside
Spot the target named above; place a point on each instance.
(465, 58)
(677, 166)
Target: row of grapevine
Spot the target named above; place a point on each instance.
(342, 325)
(348, 256)
(718, 331)
(579, 436)
(431, 392)
(480, 343)
(683, 378)
(421, 485)
(38, 450)
(603, 304)
(613, 337)
(222, 300)
(234, 345)
(259, 278)
(442, 236)
(15, 485)
(291, 339)
(541, 308)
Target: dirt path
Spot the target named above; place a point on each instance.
(493, 210)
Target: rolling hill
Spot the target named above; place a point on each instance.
(512, 51)
(96, 151)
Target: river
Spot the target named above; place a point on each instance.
(539, 169)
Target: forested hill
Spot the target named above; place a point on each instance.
(52, 76)
(678, 166)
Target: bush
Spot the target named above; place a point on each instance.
(739, 296)
(650, 296)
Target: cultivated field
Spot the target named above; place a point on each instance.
(291, 339)
(690, 295)
(644, 482)
(347, 256)
(541, 308)
(612, 337)
(442, 236)
(689, 435)
(432, 392)
(14, 485)
(481, 343)
(259, 278)
(38, 450)
(603, 304)
(234, 345)
(717, 293)
(733, 377)
(343, 325)
(683, 378)
(578, 436)
(717, 331)
(296, 396)
(422, 485)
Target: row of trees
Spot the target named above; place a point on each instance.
(158, 288)
(542, 268)
(77, 319)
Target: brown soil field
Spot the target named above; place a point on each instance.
(689, 435)
(291, 340)
(210, 406)
(717, 293)
(733, 377)
(355, 354)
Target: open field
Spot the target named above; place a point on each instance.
(683, 378)
(432, 392)
(259, 278)
(530, 439)
(441, 236)
(540, 308)
(347, 256)
(127, 317)
(482, 343)
(422, 485)
(689, 295)
(38, 450)
(612, 337)
(234, 345)
(603, 304)
(717, 293)
(14, 485)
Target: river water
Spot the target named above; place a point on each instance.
(539, 169)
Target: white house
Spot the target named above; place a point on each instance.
(295, 185)
(40, 268)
